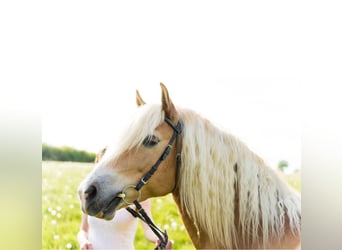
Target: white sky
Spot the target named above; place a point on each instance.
(236, 66)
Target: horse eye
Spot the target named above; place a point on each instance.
(150, 141)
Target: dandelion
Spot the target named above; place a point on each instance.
(59, 215)
(56, 237)
(69, 245)
(174, 225)
(59, 208)
(71, 206)
(69, 196)
(54, 222)
(53, 212)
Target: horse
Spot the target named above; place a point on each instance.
(227, 196)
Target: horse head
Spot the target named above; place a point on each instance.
(112, 184)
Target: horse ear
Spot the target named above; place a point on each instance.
(138, 99)
(100, 154)
(167, 104)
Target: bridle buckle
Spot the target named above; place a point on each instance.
(143, 180)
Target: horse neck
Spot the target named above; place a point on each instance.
(199, 238)
(249, 195)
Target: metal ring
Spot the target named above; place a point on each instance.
(125, 196)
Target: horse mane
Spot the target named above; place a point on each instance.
(229, 191)
(224, 187)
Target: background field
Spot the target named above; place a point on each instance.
(61, 214)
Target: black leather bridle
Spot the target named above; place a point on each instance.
(140, 212)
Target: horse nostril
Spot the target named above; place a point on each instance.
(90, 193)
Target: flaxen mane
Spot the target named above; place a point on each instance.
(237, 197)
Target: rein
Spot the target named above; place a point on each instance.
(140, 213)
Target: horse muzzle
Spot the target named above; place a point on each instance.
(93, 202)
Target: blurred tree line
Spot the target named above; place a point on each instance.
(282, 165)
(65, 153)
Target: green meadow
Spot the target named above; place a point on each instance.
(61, 214)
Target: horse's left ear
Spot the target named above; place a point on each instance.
(138, 99)
(167, 105)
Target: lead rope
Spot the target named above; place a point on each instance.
(142, 215)
(140, 212)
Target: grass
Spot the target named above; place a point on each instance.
(294, 181)
(61, 214)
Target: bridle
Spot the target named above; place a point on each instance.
(140, 212)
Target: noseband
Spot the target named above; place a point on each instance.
(140, 213)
